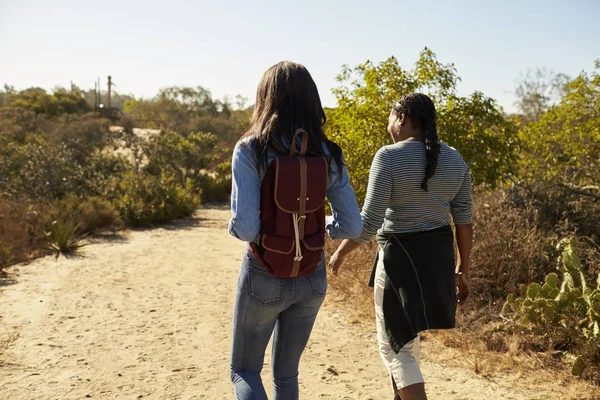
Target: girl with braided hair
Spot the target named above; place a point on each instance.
(414, 186)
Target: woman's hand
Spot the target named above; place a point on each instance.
(462, 284)
(336, 261)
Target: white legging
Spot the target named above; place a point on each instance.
(403, 367)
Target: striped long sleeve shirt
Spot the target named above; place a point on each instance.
(395, 201)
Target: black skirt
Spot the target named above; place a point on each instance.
(420, 289)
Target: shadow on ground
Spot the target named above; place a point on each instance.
(6, 279)
(108, 237)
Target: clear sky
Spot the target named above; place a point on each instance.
(225, 46)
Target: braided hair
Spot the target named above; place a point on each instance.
(421, 111)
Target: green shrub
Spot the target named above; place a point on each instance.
(39, 172)
(101, 174)
(179, 155)
(563, 313)
(84, 134)
(216, 190)
(216, 186)
(17, 123)
(145, 199)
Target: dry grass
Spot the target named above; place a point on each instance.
(474, 345)
(6, 341)
(351, 283)
(495, 359)
(510, 248)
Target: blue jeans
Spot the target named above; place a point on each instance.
(264, 303)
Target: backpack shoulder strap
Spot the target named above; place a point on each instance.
(304, 142)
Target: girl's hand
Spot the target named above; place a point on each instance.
(462, 285)
(335, 262)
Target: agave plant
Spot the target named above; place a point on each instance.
(65, 237)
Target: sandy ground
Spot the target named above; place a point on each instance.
(147, 315)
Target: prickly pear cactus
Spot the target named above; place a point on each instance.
(565, 310)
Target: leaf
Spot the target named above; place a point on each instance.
(534, 290)
(552, 280)
(523, 289)
(578, 367)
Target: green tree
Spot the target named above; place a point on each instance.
(474, 125)
(17, 123)
(564, 145)
(4, 93)
(537, 90)
(187, 110)
(52, 105)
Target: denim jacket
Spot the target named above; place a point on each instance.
(345, 223)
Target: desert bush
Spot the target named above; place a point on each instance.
(186, 157)
(88, 214)
(128, 124)
(83, 134)
(22, 231)
(39, 172)
(179, 155)
(17, 123)
(510, 247)
(564, 314)
(216, 186)
(145, 199)
(560, 204)
(101, 174)
(49, 171)
(97, 214)
(227, 129)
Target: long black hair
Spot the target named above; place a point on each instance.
(287, 99)
(421, 111)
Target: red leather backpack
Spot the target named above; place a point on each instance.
(292, 213)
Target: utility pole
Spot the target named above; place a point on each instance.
(109, 90)
(99, 93)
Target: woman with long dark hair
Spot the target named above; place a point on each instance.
(287, 102)
(414, 186)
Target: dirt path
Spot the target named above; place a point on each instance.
(148, 316)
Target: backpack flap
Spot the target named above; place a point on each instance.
(295, 176)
